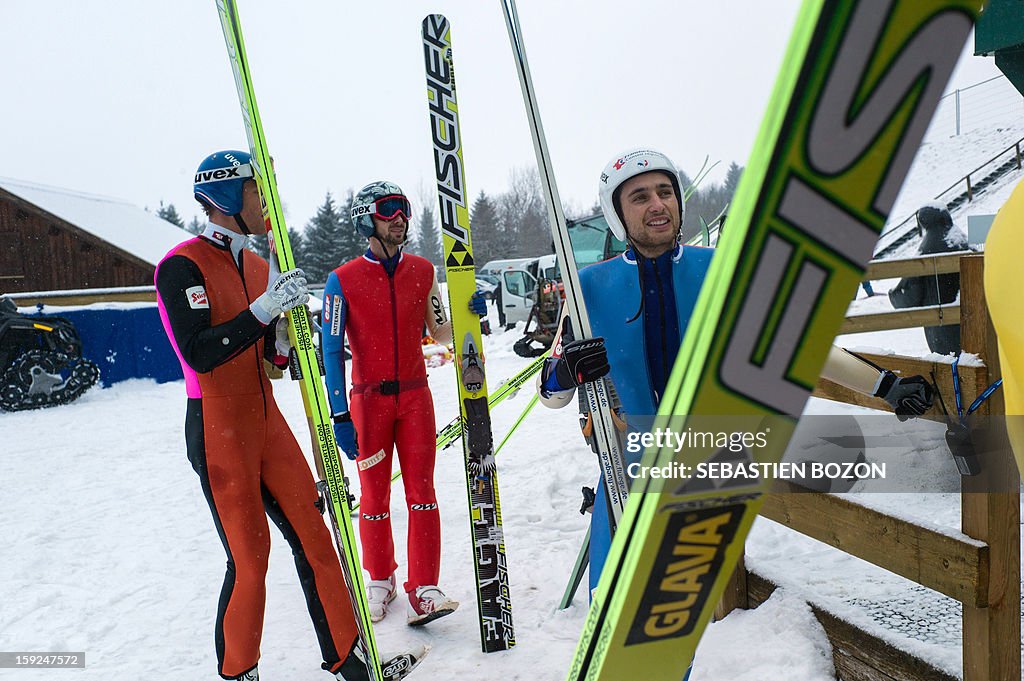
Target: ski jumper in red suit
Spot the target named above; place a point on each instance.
(248, 461)
(383, 310)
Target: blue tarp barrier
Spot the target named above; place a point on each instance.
(124, 342)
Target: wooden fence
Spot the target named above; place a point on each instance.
(979, 566)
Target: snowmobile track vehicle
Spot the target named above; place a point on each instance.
(41, 363)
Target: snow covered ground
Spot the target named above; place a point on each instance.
(111, 549)
(944, 160)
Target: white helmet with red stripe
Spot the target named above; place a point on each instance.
(627, 165)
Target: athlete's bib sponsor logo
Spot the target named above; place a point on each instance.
(371, 460)
(435, 303)
(683, 574)
(336, 321)
(197, 297)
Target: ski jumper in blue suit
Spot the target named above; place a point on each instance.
(641, 352)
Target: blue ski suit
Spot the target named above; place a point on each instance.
(641, 352)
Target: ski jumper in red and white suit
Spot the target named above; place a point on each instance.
(248, 461)
(383, 311)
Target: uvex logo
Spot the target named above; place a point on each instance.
(361, 210)
(217, 175)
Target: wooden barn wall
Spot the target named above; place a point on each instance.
(40, 254)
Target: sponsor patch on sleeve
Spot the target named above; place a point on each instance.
(336, 320)
(197, 297)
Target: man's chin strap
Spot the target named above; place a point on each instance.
(241, 224)
(640, 260)
(387, 253)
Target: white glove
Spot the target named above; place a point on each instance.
(284, 291)
(282, 343)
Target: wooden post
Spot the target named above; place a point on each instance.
(735, 594)
(991, 636)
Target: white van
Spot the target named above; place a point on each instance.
(545, 267)
(514, 295)
(493, 267)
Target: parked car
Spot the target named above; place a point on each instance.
(487, 284)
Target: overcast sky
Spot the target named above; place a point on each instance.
(125, 98)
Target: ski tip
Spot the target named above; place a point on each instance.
(400, 666)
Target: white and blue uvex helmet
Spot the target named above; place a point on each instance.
(220, 178)
(627, 165)
(384, 199)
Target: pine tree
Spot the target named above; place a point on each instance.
(323, 235)
(195, 226)
(732, 179)
(170, 213)
(300, 250)
(260, 246)
(523, 223)
(488, 243)
(708, 200)
(428, 238)
(351, 244)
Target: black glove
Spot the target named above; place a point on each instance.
(582, 361)
(909, 397)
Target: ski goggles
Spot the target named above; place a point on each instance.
(386, 208)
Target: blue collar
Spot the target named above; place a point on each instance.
(390, 264)
(673, 255)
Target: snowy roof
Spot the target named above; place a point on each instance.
(115, 221)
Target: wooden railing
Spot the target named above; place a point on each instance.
(963, 190)
(127, 294)
(978, 566)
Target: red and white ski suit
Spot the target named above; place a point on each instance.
(383, 316)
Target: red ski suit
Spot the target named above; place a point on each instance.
(383, 316)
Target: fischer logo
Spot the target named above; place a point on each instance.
(197, 297)
(444, 125)
(691, 554)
